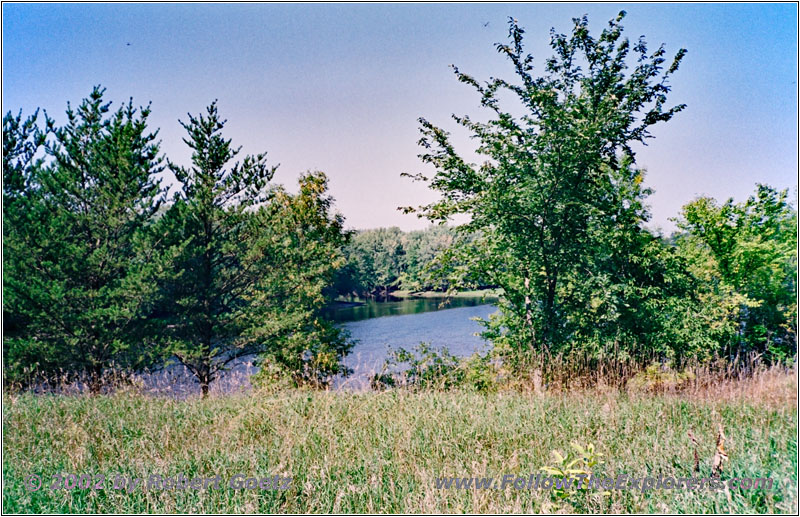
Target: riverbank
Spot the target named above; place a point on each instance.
(489, 294)
(382, 452)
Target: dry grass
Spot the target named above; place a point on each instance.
(772, 387)
(381, 452)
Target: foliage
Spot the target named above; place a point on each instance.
(23, 141)
(250, 263)
(745, 255)
(579, 461)
(311, 237)
(375, 259)
(382, 260)
(77, 267)
(428, 368)
(559, 203)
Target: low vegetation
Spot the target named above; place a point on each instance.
(382, 452)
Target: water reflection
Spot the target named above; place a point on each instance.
(377, 328)
(372, 309)
(454, 329)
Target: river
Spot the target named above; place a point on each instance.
(379, 327)
(376, 327)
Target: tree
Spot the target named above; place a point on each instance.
(300, 342)
(559, 188)
(23, 142)
(249, 262)
(421, 248)
(387, 257)
(748, 253)
(381, 259)
(78, 271)
(216, 250)
(377, 258)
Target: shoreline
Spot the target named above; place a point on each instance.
(403, 294)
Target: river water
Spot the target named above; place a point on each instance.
(379, 327)
(376, 327)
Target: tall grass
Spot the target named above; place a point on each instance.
(381, 452)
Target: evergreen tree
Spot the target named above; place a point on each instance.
(214, 247)
(78, 271)
(23, 142)
(250, 262)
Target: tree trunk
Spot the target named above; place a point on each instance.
(528, 314)
(205, 378)
(549, 313)
(96, 380)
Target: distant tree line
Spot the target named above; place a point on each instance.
(381, 261)
(103, 273)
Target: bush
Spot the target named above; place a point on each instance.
(659, 377)
(429, 368)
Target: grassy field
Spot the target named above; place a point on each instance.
(381, 452)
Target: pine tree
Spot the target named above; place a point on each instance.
(23, 142)
(217, 255)
(80, 275)
(250, 263)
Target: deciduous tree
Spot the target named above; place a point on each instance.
(557, 202)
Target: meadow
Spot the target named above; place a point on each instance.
(381, 452)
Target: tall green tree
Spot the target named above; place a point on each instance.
(23, 142)
(309, 238)
(249, 262)
(558, 190)
(215, 249)
(77, 271)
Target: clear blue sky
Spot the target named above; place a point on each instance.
(339, 87)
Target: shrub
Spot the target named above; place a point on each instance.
(429, 368)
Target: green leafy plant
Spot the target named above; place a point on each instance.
(427, 368)
(659, 377)
(579, 461)
(557, 202)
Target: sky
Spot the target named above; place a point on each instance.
(340, 87)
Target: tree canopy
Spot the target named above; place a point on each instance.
(559, 203)
(77, 268)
